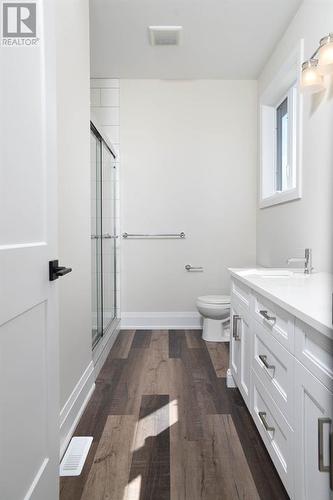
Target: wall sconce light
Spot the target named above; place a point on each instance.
(319, 64)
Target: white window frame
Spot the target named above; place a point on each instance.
(285, 84)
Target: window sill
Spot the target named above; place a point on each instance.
(278, 198)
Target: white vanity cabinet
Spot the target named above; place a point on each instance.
(283, 368)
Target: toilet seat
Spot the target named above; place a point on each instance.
(214, 299)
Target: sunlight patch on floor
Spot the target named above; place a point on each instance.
(155, 423)
(133, 489)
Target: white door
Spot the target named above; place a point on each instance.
(313, 435)
(29, 408)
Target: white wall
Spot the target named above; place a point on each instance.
(188, 164)
(74, 195)
(285, 230)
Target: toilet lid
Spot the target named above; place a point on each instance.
(215, 299)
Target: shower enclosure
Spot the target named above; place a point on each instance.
(103, 237)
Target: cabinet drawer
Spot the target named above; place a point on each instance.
(277, 321)
(315, 352)
(275, 432)
(241, 292)
(274, 365)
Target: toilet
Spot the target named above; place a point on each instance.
(215, 310)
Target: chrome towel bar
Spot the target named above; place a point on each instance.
(157, 235)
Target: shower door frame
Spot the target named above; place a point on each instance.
(104, 328)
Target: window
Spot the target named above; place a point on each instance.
(280, 109)
(282, 181)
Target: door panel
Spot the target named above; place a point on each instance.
(29, 411)
(27, 399)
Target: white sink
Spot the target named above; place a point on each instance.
(272, 273)
(276, 273)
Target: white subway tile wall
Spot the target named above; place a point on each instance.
(95, 97)
(104, 83)
(105, 105)
(107, 115)
(112, 133)
(109, 97)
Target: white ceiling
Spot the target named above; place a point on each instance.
(228, 39)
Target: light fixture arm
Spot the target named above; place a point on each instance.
(315, 53)
(325, 39)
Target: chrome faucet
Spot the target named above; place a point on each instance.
(307, 259)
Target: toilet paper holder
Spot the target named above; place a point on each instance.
(190, 268)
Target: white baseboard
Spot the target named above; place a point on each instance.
(75, 405)
(102, 349)
(161, 321)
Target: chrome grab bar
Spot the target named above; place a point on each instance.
(157, 235)
(190, 268)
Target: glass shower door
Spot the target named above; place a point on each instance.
(103, 238)
(108, 238)
(96, 244)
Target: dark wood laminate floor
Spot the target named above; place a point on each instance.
(165, 427)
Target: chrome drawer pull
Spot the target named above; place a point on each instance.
(266, 316)
(264, 361)
(321, 466)
(262, 416)
(235, 320)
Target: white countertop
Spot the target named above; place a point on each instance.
(307, 297)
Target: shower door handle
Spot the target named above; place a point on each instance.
(108, 236)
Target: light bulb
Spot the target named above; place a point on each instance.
(311, 80)
(325, 59)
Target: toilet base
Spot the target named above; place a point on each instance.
(215, 330)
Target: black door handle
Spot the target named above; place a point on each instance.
(56, 271)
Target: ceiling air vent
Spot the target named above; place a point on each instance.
(164, 35)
